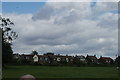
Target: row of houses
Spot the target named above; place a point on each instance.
(52, 58)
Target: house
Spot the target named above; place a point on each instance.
(50, 58)
(92, 59)
(81, 59)
(28, 57)
(40, 57)
(23, 58)
(60, 58)
(69, 59)
(43, 59)
(35, 58)
(16, 56)
(105, 60)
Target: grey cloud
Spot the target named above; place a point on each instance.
(45, 13)
(109, 20)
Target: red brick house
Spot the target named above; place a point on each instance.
(105, 60)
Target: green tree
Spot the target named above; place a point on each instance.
(8, 35)
(117, 61)
(34, 52)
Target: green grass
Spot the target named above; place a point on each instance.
(60, 72)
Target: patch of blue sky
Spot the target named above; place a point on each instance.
(115, 12)
(21, 7)
(93, 3)
(0, 7)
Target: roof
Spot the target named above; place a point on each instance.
(80, 56)
(91, 57)
(28, 55)
(106, 58)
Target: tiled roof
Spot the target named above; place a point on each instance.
(92, 57)
(105, 58)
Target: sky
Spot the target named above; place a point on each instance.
(21, 7)
(73, 28)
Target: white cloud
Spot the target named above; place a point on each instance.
(68, 28)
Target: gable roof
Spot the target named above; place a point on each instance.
(81, 57)
(91, 57)
(106, 58)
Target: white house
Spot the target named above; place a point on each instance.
(67, 60)
(58, 58)
(35, 58)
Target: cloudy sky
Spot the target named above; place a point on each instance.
(64, 27)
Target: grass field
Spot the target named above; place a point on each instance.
(60, 72)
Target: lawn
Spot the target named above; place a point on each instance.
(60, 72)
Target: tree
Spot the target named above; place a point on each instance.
(34, 52)
(8, 35)
(117, 61)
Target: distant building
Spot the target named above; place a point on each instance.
(51, 58)
(81, 59)
(92, 59)
(28, 57)
(105, 60)
(35, 58)
(16, 56)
